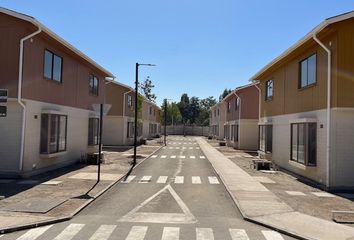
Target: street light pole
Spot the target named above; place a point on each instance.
(136, 106)
(165, 121)
(136, 110)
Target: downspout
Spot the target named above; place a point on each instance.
(328, 140)
(239, 120)
(19, 94)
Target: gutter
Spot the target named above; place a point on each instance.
(255, 83)
(329, 90)
(19, 94)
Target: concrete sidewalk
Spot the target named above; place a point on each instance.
(258, 204)
(59, 195)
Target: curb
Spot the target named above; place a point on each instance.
(77, 210)
(250, 219)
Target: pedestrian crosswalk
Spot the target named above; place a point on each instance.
(105, 232)
(175, 156)
(177, 179)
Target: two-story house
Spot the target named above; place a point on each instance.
(307, 107)
(151, 119)
(217, 120)
(241, 126)
(51, 87)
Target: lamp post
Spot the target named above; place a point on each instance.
(136, 105)
(165, 116)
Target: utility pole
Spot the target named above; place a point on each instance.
(165, 121)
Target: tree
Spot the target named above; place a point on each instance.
(184, 108)
(173, 114)
(194, 109)
(205, 105)
(224, 94)
(146, 88)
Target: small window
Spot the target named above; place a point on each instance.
(53, 133)
(52, 66)
(150, 110)
(228, 106)
(232, 132)
(93, 131)
(307, 71)
(265, 133)
(93, 85)
(218, 112)
(303, 143)
(236, 133)
(130, 101)
(237, 103)
(269, 90)
(130, 130)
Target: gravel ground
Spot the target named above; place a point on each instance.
(307, 203)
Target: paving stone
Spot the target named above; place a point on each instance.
(264, 179)
(35, 205)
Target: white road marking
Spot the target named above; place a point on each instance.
(192, 157)
(129, 179)
(295, 193)
(153, 156)
(202, 157)
(69, 232)
(173, 156)
(322, 194)
(170, 148)
(145, 179)
(162, 179)
(184, 148)
(174, 218)
(205, 234)
(170, 233)
(190, 147)
(238, 234)
(196, 180)
(137, 233)
(163, 156)
(33, 233)
(213, 180)
(182, 156)
(272, 235)
(197, 148)
(103, 232)
(179, 179)
(177, 147)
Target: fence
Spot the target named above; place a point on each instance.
(188, 130)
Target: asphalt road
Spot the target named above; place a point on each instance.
(174, 194)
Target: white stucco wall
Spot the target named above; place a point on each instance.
(281, 144)
(10, 132)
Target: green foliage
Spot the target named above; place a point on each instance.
(146, 89)
(224, 94)
(189, 111)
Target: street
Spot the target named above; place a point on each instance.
(175, 194)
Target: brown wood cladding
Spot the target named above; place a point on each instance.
(74, 89)
(287, 97)
(249, 104)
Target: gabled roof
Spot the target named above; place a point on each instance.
(132, 90)
(303, 40)
(36, 23)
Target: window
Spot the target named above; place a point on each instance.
(93, 131)
(130, 101)
(227, 131)
(265, 138)
(236, 133)
(307, 71)
(237, 103)
(53, 133)
(228, 106)
(150, 110)
(93, 85)
(218, 112)
(269, 90)
(303, 143)
(52, 66)
(232, 132)
(214, 113)
(130, 130)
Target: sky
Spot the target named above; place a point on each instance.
(200, 47)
